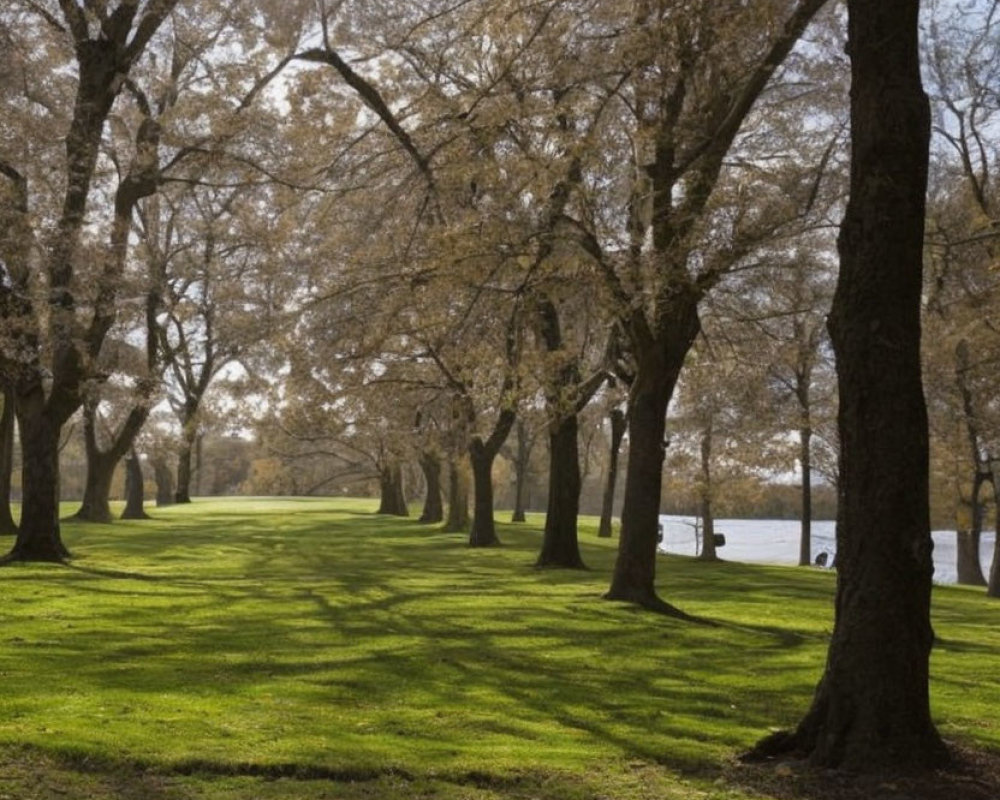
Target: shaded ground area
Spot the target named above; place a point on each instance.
(974, 775)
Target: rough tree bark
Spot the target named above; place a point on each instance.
(871, 709)
(430, 466)
(618, 426)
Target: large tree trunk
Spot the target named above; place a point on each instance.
(96, 506)
(392, 497)
(607, 505)
(458, 498)
(7, 525)
(871, 710)
(39, 537)
(430, 465)
(659, 365)
(133, 488)
(483, 532)
(560, 547)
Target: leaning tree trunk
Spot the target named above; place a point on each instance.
(133, 488)
(659, 366)
(608, 503)
(871, 710)
(458, 498)
(430, 465)
(7, 525)
(39, 537)
(560, 547)
(392, 497)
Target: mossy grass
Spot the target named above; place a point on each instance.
(273, 648)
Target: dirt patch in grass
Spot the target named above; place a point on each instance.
(973, 775)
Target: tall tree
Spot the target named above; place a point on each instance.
(697, 76)
(871, 709)
(54, 344)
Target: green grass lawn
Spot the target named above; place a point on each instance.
(311, 649)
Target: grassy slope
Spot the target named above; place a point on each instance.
(248, 641)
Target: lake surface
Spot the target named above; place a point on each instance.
(776, 541)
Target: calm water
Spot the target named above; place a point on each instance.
(776, 541)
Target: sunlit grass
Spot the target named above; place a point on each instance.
(313, 637)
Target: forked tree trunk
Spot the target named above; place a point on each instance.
(871, 710)
(458, 498)
(560, 547)
(608, 503)
(101, 464)
(659, 363)
(483, 532)
(482, 454)
(392, 497)
(96, 506)
(134, 494)
(430, 466)
(7, 525)
(39, 537)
